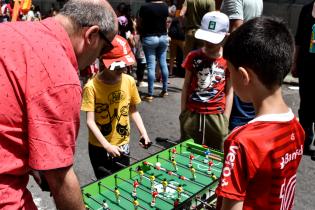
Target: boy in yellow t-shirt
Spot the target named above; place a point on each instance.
(109, 99)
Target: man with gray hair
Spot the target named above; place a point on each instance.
(41, 98)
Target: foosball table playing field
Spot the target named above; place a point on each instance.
(184, 176)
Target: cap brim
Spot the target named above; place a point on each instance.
(120, 62)
(214, 38)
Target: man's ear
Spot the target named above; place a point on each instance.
(245, 75)
(91, 34)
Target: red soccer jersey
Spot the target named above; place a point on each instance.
(206, 92)
(261, 162)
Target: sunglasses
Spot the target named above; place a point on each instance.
(108, 46)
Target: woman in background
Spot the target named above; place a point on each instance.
(153, 32)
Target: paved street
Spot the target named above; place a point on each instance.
(161, 120)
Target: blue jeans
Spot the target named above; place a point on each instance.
(155, 47)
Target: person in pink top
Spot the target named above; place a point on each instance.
(41, 97)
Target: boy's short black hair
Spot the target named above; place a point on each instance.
(265, 45)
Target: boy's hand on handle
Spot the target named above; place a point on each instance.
(145, 142)
(113, 150)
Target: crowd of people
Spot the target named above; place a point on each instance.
(229, 50)
(6, 14)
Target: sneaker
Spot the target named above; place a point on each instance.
(148, 98)
(142, 84)
(163, 93)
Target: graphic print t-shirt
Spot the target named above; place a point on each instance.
(261, 162)
(111, 106)
(206, 92)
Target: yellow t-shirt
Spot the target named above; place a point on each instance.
(111, 106)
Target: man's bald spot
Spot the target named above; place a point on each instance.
(105, 4)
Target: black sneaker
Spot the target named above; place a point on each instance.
(163, 93)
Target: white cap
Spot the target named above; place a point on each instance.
(214, 27)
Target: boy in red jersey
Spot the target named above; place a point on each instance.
(261, 157)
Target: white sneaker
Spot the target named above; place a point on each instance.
(142, 84)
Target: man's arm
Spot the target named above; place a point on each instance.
(234, 9)
(234, 24)
(65, 188)
(228, 204)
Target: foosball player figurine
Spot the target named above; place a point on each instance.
(191, 157)
(174, 164)
(207, 153)
(135, 185)
(140, 172)
(193, 172)
(117, 194)
(179, 191)
(158, 166)
(213, 176)
(170, 173)
(210, 164)
(164, 184)
(152, 178)
(174, 152)
(176, 203)
(105, 205)
(135, 202)
(155, 193)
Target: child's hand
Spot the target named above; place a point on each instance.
(113, 150)
(145, 142)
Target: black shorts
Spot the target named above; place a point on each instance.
(103, 165)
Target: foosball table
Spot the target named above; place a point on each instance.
(183, 176)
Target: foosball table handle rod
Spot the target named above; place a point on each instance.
(204, 203)
(88, 195)
(160, 139)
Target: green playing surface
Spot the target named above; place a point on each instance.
(203, 185)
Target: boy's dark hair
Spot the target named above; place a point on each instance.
(265, 45)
